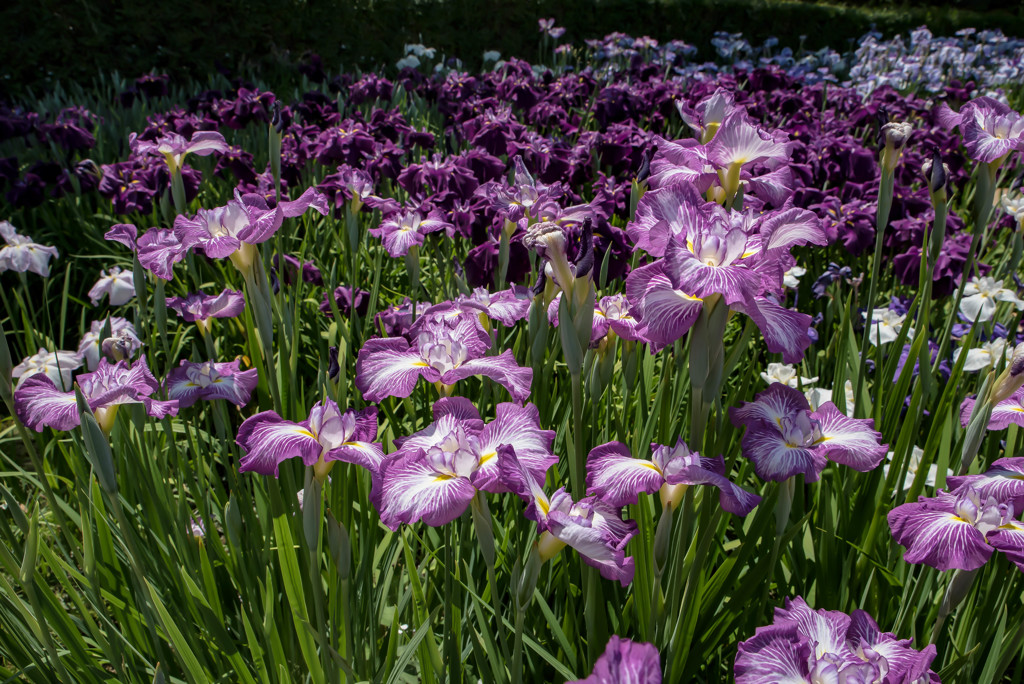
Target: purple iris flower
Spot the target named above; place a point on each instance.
(199, 307)
(1004, 480)
(158, 249)
(806, 645)
(173, 146)
(190, 382)
(991, 130)
(952, 529)
(327, 435)
(625, 662)
(785, 438)
(38, 402)
(347, 299)
(707, 116)
(614, 476)
(437, 471)
(247, 220)
(446, 350)
(712, 253)
(402, 230)
(594, 528)
(507, 306)
(397, 319)
(1009, 411)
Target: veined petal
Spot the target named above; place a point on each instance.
(625, 662)
(389, 368)
(776, 460)
(614, 476)
(686, 272)
(594, 547)
(181, 388)
(1009, 538)
(311, 198)
(776, 654)
(268, 439)
(518, 427)
(398, 242)
(503, 369)
(851, 441)
(770, 406)
(933, 534)
(369, 455)
(1004, 480)
(521, 482)
(791, 227)
(459, 408)
(38, 402)
(664, 313)
(412, 490)
(784, 330)
(697, 470)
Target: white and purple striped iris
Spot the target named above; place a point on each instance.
(247, 220)
(447, 349)
(960, 528)
(991, 130)
(402, 230)
(1009, 411)
(173, 146)
(594, 528)
(806, 646)
(199, 307)
(190, 382)
(611, 313)
(327, 435)
(614, 476)
(785, 438)
(436, 472)
(713, 253)
(38, 402)
(158, 249)
(56, 365)
(625, 662)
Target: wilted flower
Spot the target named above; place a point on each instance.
(20, 254)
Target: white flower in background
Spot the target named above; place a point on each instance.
(420, 50)
(981, 295)
(410, 61)
(786, 374)
(491, 56)
(56, 365)
(791, 278)
(116, 284)
(20, 254)
(886, 325)
(985, 355)
(913, 466)
(1014, 206)
(816, 396)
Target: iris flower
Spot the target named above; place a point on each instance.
(326, 436)
(56, 365)
(173, 146)
(803, 646)
(1009, 411)
(625, 662)
(91, 345)
(615, 477)
(116, 284)
(991, 130)
(402, 230)
(436, 472)
(591, 526)
(785, 438)
(38, 402)
(20, 254)
(191, 382)
(445, 351)
(981, 295)
(158, 249)
(199, 307)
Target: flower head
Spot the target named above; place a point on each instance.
(190, 382)
(20, 254)
(625, 662)
(116, 284)
(56, 365)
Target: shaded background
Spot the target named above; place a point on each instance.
(45, 40)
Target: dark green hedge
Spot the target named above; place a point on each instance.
(41, 40)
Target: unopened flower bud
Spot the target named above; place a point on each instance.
(333, 369)
(1011, 379)
(548, 241)
(895, 136)
(645, 164)
(276, 120)
(937, 174)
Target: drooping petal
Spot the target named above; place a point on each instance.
(1009, 538)
(664, 313)
(851, 441)
(596, 547)
(412, 490)
(503, 369)
(521, 482)
(935, 535)
(159, 249)
(900, 657)
(696, 470)
(776, 654)
(771, 406)
(39, 403)
(614, 476)
(389, 368)
(784, 229)
(686, 272)
(784, 330)
(311, 198)
(459, 408)
(268, 440)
